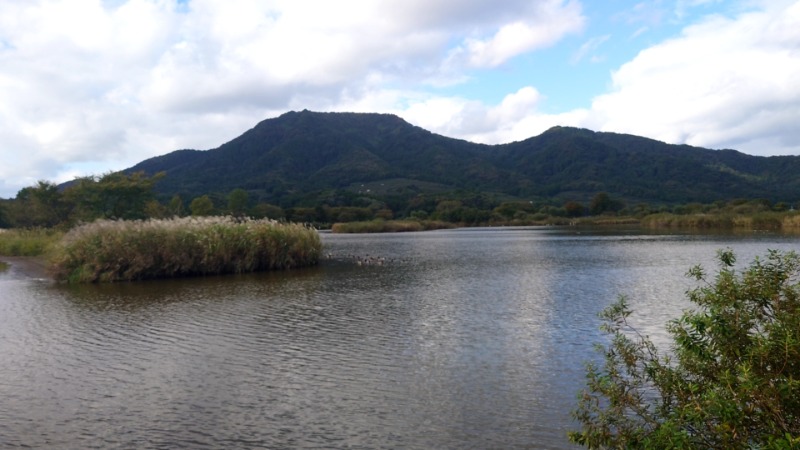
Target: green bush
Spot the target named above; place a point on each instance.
(731, 380)
(133, 250)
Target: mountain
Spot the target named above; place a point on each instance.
(304, 157)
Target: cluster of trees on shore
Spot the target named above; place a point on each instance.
(132, 196)
(114, 195)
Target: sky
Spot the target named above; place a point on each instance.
(93, 86)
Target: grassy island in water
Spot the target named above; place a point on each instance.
(107, 250)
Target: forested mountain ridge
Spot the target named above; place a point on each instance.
(566, 160)
(306, 157)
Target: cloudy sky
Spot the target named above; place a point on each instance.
(89, 86)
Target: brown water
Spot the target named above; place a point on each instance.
(469, 338)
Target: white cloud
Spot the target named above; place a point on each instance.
(541, 27)
(515, 118)
(722, 83)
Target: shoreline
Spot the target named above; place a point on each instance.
(22, 267)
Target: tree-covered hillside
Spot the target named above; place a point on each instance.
(303, 158)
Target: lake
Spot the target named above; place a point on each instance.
(452, 339)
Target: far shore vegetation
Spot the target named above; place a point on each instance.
(732, 215)
(762, 220)
(133, 197)
(390, 226)
(721, 220)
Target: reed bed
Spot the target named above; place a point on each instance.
(765, 220)
(28, 242)
(791, 221)
(692, 221)
(107, 251)
(605, 221)
(389, 226)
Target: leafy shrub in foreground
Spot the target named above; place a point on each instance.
(132, 250)
(732, 382)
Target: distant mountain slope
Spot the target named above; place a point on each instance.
(577, 160)
(302, 153)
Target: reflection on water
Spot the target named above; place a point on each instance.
(463, 339)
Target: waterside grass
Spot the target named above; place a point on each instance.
(106, 251)
(389, 226)
(28, 242)
(767, 220)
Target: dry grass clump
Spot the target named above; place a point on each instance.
(108, 250)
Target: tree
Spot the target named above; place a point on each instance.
(419, 215)
(573, 209)
(509, 210)
(780, 206)
(237, 202)
(4, 221)
(733, 377)
(175, 206)
(41, 205)
(448, 210)
(112, 196)
(601, 203)
(262, 210)
(202, 206)
(155, 210)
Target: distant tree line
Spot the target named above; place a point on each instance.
(132, 196)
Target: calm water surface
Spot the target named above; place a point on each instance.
(471, 338)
